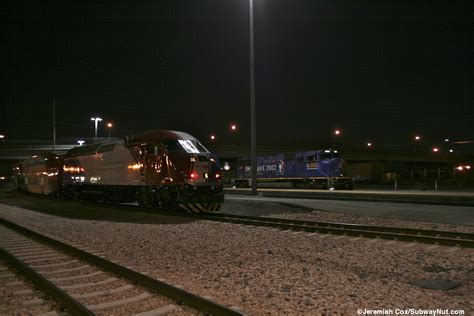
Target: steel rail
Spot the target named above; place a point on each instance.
(177, 294)
(62, 298)
(392, 233)
(410, 231)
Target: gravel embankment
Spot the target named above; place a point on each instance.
(265, 271)
(279, 210)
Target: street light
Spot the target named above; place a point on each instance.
(417, 139)
(335, 134)
(109, 126)
(435, 149)
(233, 127)
(96, 120)
(2, 136)
(213, 137)
(369, 144)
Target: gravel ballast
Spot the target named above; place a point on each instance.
(265, 271)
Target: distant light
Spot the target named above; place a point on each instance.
(109, 125)
(213, 137)
(337, 132)
(81, 142)
(435, 149)
(451, 151)
(2, 136)
(193, 175)
(369, 144)
(468, 167)
(446, 140)
(417, 137)
(226, 166)
(98, 119)
(233, 127)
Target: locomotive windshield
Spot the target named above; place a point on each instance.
(191, 146)
(330, 155)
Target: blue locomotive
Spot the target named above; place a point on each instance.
(316, 169)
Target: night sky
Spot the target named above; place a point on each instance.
(379, 70)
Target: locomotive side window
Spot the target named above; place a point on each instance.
(311, 158)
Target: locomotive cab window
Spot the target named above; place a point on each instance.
(187, 145)
(326, 156)
(311, 158)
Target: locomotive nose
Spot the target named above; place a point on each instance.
(339, 166)
(342, 165)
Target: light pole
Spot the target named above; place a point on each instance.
(253, 137)
(109, 126)
(337, 133)
(416, 139)
(96, 120)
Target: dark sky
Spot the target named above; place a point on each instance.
(379, 70)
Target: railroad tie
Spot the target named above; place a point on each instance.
(31, 303)
(124, 301)
(76, 277)
(159, 311)
(104, 292)
(82, 285)
(23, 292)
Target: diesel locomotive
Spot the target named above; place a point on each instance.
(160, 169)
(316, 169)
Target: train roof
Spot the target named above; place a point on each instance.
(158, 135)
(154, 137)
(49, 157)
(292, 154)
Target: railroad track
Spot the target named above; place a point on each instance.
(437, 237)
(83, 283)
(392, 233)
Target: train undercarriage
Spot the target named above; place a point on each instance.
(192, 199)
